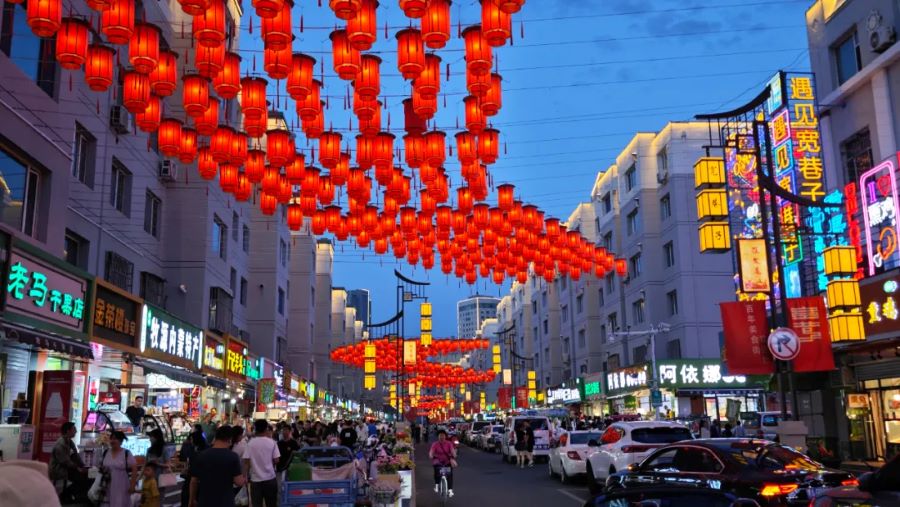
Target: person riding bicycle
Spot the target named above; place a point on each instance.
(442, 454)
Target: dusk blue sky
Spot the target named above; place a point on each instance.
(586, 77)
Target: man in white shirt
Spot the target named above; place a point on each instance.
(260, 457)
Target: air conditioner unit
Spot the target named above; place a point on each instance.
(881, 36)
(119, 119)
(168, 171)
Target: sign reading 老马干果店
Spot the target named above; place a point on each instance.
(166, 338)
(45, 289)
(680, 374)
(116, 317)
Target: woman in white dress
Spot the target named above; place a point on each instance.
(120, 473)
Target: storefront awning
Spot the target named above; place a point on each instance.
(47, 341)
(174, 373)
(216, 382)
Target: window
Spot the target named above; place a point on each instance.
(632, 222)
(33, 55)
(607, 241)
(544, 299)
(232, 281)
(672, 302)
(637, 311)
(673, 349)
(153, 289)
(562, 282)
(640, 354)
(246, 239)
(282, 252)
(603, 333)
(234, 225)
(635, 265)
(152, 209)
(856, 151)
(281, 301)
(662, 164)
(600, 297)
(847, 58)
(76, 250)
(669, 254)
(84, 156)
(221, 305)
(565, 313)
(612, 322)
(665, 207)
(610, 283)
(119, 271)
(534, 307)
(613, 362)
(219, 234)
(546, 328)
(597, 225)
(579, 303)
(581, 338)
(19, 195)
(120, 188)
(607, 203)
(630, 178)
(243, 296)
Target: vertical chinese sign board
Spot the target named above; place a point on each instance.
(116, 317)
(746, 330)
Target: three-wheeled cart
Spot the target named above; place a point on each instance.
(333, 478)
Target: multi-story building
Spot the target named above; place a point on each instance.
(856, 63)
(471, 312)
(319, 368)
(362, 302)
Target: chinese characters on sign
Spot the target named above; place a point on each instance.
(115, 316)
(166, 338)
(38, 289)
(880, 299)
(880, 203)
(801, 102)
(563, 395)
(746, 328)
(808, 318)
(754, 267)
(677, 374)
(213, 355)
(235, 360)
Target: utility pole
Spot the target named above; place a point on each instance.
(662, 327)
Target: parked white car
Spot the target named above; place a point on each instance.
(474, 430)
(490, 437)
(569, 454)
(626, 443)
(539, 424)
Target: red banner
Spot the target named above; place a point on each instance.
(504, 398)
(521, 397)
(746, 329)
(808, 319)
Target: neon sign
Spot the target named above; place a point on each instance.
(167, 338)
(829, 228)
(880, 203)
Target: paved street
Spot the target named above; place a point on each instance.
(482, 479)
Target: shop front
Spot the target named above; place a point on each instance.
(44, 349)
(592, 397)
(216, 395)
(566, 397)
(242, 370)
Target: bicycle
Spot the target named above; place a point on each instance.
(443, 488)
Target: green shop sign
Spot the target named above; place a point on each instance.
(44, 289)
(591, 386)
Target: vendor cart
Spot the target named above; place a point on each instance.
(334, 478)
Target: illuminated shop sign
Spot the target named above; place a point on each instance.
(829, 228)
(563, 395)
(878, 187)
(214, 355)
(236, 360)
(169, 339)
(678, 374)
(881, 304)
(37, 288)
(116, 317)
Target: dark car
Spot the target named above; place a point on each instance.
(761, 470)
(670, 496)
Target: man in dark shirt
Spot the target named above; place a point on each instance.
(348, 435)
(286, 446)
(135, 413)
(214, 472)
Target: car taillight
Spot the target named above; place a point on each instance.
(850, 482)
(770, 490)
(637, 448)
(573, 455)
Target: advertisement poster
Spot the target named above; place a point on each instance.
(521, 397)
(56, 408)
(808, 319)
(754, 267)
(746, 329)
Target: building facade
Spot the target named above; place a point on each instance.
(361, 301)
(471, 312)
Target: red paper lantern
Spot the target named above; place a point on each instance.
(279, 147)
(163, 77)
(314, 127)
(344, 9)
(143, 49)
(372, 126)
(296, 169)
(206, 166)
(412, 122)
(621, 267)
(97, 5)
(428, 84)
(310, 107)
(135, 91)
(195, 90)
(489, 145)
(310, 185)
(206, 124)
(435, 148)
(414, 145)
(493, 99)
(238, 149)
(424, 107)
(383, 152)
(72, 43)
(194, 7)
(253, 96)
(187, 152)
(368, 81)
(478, 85)
(209, 25)
(277, 63)
(117, 22)
(478, 52)
(277, 31)
(362, 29)
(475, 121)
(209, 61)
(365, 151)
(44, 16)
(410, 53)
(228, 175)
(464, 199)
(510, 6)
(244, 188)
(340, 171)
(270, 180)
(496, 24)
(466, 147)
(505, 196)
(414, 8)
(220, 144)
(148, 120)
(98, 68)
(346, 58)
(255, 165)
(364, 109)
(267, 8)
(329, 149)
(256, 127)
(169, 137)
(300, 78)
(228, 82)
(436, 24)
(268, 204)
(294, 217)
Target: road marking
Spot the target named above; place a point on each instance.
(572, 496)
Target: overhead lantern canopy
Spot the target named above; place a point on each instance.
(148, 120)
(207, 123)
(330, 149)
(72, 43)
(414, 8)
(277, 62)
(410, 53)
(489, 145)
(169, 137)
(436, 24)
(362, 29)
(345, 57)
(475, 121)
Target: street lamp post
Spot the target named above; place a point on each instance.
(662, 327)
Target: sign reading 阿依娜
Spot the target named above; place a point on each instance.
(678, 374)
(39, 289)
(169, 339)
